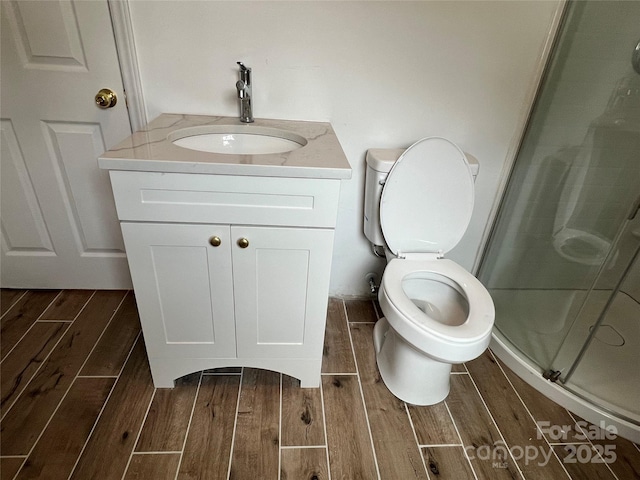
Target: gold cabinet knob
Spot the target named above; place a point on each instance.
(243, 242)
(215, 241)
(106, 98)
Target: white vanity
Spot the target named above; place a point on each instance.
(230, 254)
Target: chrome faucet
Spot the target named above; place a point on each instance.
(244, 94)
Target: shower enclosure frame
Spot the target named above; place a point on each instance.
(531, 372)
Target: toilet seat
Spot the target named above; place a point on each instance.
(433, 173)
(448, 343)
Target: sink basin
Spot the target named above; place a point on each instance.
(237, 139)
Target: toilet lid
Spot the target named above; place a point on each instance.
(427, 199)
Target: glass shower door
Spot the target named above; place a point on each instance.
(561, 253)
(600, 355)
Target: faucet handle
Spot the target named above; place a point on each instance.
(245, 74)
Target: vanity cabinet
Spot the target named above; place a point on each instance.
(230, 253)
(229, 270)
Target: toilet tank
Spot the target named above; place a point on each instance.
(379, 163)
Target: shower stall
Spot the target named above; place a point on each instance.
(563, 259)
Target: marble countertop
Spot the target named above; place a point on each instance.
(149, 150)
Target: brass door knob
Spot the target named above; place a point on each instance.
(106, 98)
(243, 242)
(215, 241)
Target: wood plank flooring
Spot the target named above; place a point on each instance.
(78, 403)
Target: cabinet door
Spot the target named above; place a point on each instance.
(281, 283)
(183, 288)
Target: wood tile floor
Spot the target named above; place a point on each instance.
(78, 402)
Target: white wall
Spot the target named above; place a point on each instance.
(385, 74)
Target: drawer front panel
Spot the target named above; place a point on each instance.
(174, 197)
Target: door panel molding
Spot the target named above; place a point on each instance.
(83, 186)
(47, 35)
(20, 234)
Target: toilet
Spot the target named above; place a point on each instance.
(418, 203)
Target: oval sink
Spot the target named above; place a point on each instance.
(237, 139)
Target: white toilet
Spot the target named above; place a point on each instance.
(418, 203)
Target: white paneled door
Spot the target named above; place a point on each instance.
(59, 225)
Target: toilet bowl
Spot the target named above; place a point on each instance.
(435, 312)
